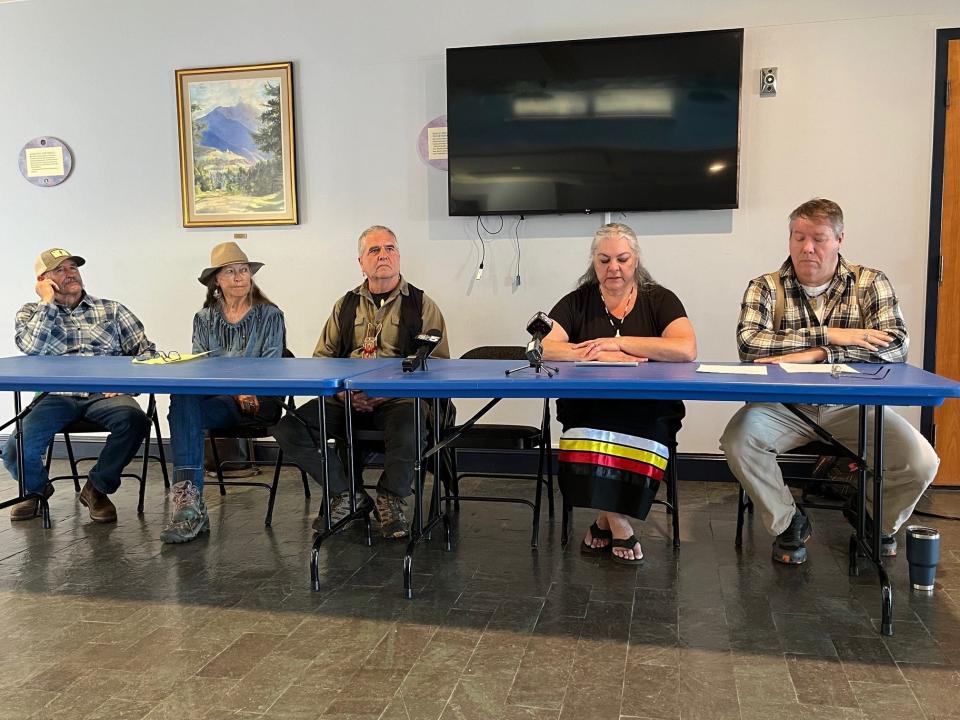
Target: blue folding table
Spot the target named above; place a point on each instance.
(203, 376)
(877, 386)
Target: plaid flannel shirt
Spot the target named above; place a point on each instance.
(94, 327)
(871, 305)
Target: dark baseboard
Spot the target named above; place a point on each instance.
(700, 467)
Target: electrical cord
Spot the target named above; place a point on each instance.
(483, 250)
(516, 234)
(483, 245)
(939, 516)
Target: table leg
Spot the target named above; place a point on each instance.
(867, 540)
(325, 501)
(886, 590)
(421, 530)
(416, 528)
(22, 494)
(355, 484)
(860, 530)
(328, 528)
(437, 470)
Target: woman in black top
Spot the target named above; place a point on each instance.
(613, 453)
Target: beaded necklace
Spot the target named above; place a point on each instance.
(617, 322)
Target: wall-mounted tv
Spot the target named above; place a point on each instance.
(627, 123)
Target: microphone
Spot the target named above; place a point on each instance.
(539, 326)
(425, 343)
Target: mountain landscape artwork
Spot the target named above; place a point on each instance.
(236, 159)
(236, 163)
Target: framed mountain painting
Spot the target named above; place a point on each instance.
(237, 159)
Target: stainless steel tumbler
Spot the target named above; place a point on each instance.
(923, 554)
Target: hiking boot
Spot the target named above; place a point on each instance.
(789, 548)
(393, 523)
(99, 505)
(29, 509)
(190, 517)
(340, 508)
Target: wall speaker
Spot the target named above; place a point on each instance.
(768, 81)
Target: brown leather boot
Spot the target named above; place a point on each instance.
(29, 509)
(99, 505)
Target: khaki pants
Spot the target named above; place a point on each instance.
(758, 432)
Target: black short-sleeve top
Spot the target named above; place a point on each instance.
(582, 314)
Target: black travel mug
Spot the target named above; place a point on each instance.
(923, 554)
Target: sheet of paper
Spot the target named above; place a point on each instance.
(437, 143)
(606, 363)
(43, 162)
(825, 368)
(733, 369)
(167, 360)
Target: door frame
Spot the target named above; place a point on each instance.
(944, 36)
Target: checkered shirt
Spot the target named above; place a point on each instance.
(94, 327)
(877, 309)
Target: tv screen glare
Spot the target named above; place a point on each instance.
(627, 123)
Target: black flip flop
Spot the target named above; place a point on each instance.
(627, 544)
(597, 533)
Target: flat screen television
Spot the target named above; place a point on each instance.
(626, 123)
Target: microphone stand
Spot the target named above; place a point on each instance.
(535, 361)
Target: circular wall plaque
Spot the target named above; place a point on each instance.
(45, 161)
(432, 143)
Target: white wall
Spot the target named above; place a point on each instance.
(852, 121)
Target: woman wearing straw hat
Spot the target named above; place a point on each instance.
(237, 320)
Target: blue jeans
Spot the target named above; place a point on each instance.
(121, 416)
(189, 416)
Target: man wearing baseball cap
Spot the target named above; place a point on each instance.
(69, 321)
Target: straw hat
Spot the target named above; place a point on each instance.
(225, 254)
(53, 258)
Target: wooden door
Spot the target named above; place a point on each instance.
(947, 417)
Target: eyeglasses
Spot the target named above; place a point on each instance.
(171, 356)
(880, 373)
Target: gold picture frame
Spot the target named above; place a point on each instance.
(237, 145)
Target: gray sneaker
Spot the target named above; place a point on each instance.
(393, 523)
(190, 517)
(340, 508)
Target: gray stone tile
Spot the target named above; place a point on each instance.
(820, 681)
(241, 656)
(936, 688)
(101, 623)
(803, 634)
(880, 701)
(867, 659)
(911, 643)
(651, 691)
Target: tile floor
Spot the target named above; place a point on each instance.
(104, 622)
